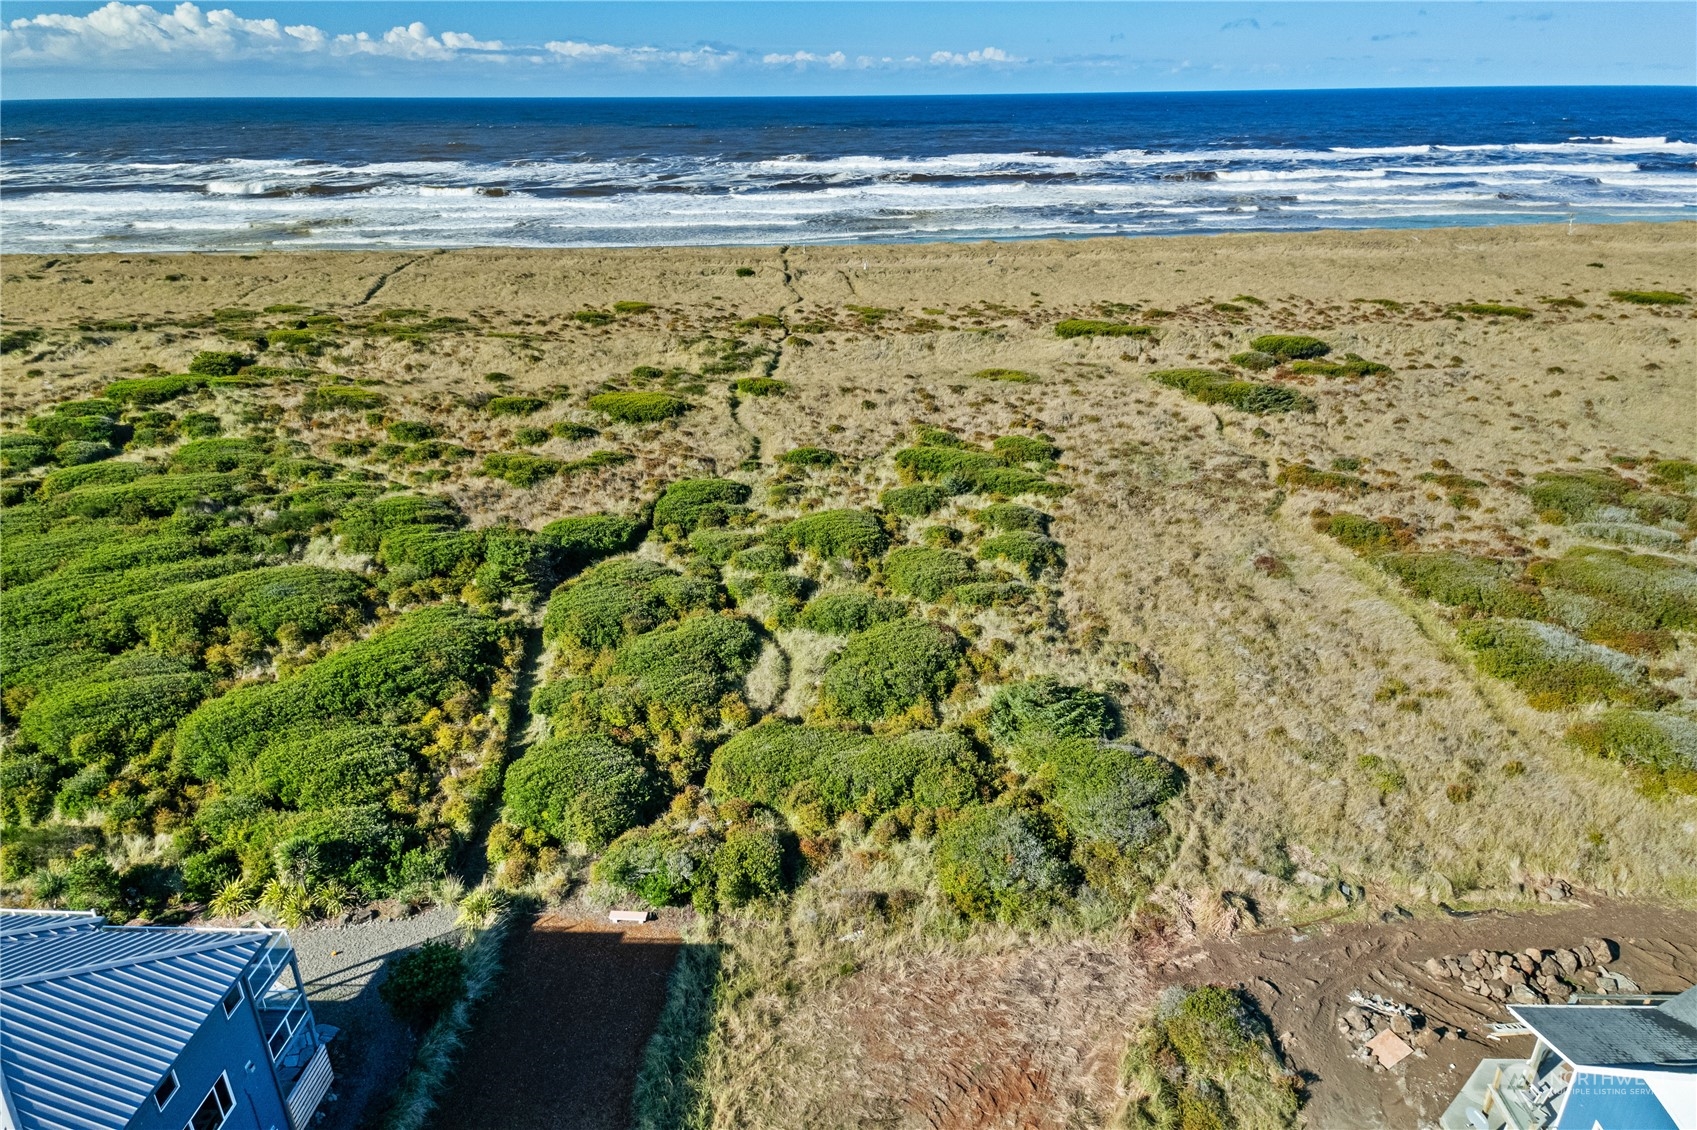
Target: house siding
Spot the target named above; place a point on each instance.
(227, 1045)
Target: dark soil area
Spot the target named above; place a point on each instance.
(1302, 979)
(559, 1042)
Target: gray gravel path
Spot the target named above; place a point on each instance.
(342, 966)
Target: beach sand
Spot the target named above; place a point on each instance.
(1247, 647)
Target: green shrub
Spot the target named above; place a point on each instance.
(1017, 376)
(1290, 347)
(717, 546)
(1301, 476)
(1031, 552)
(364, 522)
(584, 539)
(762, 386)
(19, 452)
(592, 317)
(630, 306)
(392, 677)
(955, 466)
(749, 867)
(618, 599)
(1562, 497)
(520, 468)
(689, 504)
(584, 790)
(661, 866)
(412, 552)
(926, 573)
(1002, 864)
(569, 430)
(1024, 449)
(343, 765)
(1552, 667)
(655, 863)
(1047, 705)
(691, 666)
(917, 501)
(1351, 366)
(1107, 794)
(152, 390)
(412, 431)
(1650, 297)
(745, 272)
(1492, 310)
(116, 711)
(830, 534)
(64, 427)
(211, 363)
(150, 497)
(1662, 745)
(1477, 584)
(200, 425)
(809, 457)
(212, 456)
(515, 405)
(341, 398)
(1205, 1063)
(756, 558)
(891, 668)
(1212, 387)
(420, 984)
(1640, 591)
(1012, 517)
(75, 452)
(1255, 360)
(816, 775)
(1086, 327)
(94, 474)
(844, 613)
(639, 407)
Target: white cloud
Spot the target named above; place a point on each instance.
(988, 55)
(573, 51)
(801, 59)
(144, 33)
(136, 35)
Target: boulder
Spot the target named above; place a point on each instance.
(1354, 1017)
(1513, 977)
(1479, 959)
(1435, 968)
(1401, 1024)
(1497, 991)
(1567, 961)
(1522, 994)
(1525, 963)
(1602, 950)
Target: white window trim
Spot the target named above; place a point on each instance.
(176, 1085)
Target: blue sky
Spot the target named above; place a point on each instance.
(635, 47)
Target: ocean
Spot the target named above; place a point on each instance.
(176, 175)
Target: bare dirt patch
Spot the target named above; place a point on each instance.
(559, 1041)
(1302, 978)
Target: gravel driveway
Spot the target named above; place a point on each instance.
(341, 966)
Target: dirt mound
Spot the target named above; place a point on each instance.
(1302, 981)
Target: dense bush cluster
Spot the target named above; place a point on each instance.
(1209, 386)
(170, 666)
(959, 468)
(1206, 1059)
(639, 407)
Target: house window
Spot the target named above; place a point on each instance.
(215, 1108)
(167, 1087)
(232, 998)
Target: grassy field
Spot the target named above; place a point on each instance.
(944, 624)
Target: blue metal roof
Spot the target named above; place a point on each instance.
(1614, 1103)
(92, 1016)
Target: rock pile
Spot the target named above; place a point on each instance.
(1532, 976)
(1366, 1020)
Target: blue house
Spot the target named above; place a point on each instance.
(1628, 1064)
(153, 1028)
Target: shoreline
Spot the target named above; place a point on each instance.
(1436, 230)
